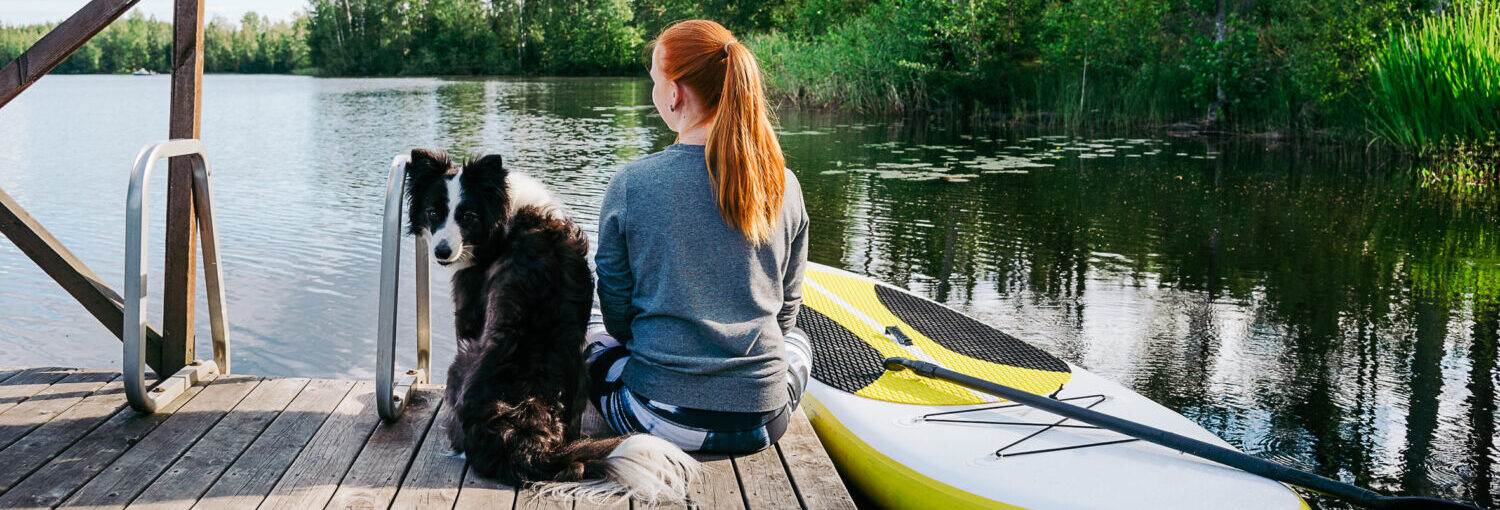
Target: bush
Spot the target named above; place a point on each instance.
(876, 61)
(899, 55)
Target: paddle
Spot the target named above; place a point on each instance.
(1221, 455)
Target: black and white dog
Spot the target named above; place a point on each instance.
(522, 291)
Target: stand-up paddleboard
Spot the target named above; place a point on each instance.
(912, 442)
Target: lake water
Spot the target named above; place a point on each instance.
(1309, 304)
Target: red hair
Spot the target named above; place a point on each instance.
(744, 158)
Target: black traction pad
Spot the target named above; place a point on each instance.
(964, 335)
(840, 359)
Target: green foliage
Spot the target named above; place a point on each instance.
(874, 61)
(360, 37)
(1249, 65)
(899, 54)
(137, 42)
(1285, 64)
(1321, 47)
(1115, 37)
(1437, 83)
(582, 37)
(1280, 64)
(384, 37)
(812, 18)
(740, 17)
(453, 37)
(254, 46)
(131, 43)
(1233, 64)
(14, 40)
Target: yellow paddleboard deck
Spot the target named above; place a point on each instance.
(854, 324)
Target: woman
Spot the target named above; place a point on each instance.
(700, 257)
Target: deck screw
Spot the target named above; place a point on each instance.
(197, 363)
(411, 372)
(158, 390)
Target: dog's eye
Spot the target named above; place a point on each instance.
(434, 215)
(467, 216)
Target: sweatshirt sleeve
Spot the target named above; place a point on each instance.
(612, 262)
(791, 295)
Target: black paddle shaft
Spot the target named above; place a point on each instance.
(1194, 447)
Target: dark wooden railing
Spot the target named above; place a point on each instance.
(54, 47)
(172, 347)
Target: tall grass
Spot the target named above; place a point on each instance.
(1438, 83)
(860, 64)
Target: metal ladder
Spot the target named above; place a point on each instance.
(134, 332)
(393, 392)
(397, 389)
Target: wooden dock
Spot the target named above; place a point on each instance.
(68, 439)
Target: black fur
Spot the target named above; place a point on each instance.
(516, 389)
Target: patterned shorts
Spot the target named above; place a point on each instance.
(694, 430)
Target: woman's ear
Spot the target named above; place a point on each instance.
(676, 103)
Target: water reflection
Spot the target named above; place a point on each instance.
(1309, 304)
(1303, 307)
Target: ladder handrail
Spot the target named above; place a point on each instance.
(392, 393)
(134, 330)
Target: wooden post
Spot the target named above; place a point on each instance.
(181, 266)
(62, 41)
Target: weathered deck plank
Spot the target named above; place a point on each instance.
(529, 499)
(49, 485)
(250, 442)
(432, 481)
(314, 476)
(638, 505)
(373, 479)
(193, 473)
(46, 404)
(812, 472)
(246, 482)
(46, 441)
(7, 371)
(479, 493)
(718, 489)
(763, 477)
(130, 474)
(27, 383)
(608, 504)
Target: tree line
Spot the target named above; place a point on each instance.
(135, 42)
(1228, 64)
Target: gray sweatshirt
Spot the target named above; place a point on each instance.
(701, 310)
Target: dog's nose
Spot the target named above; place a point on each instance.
(442, 251)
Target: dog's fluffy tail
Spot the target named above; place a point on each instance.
(638, 466)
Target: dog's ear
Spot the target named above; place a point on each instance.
(421, 170)
(425, 163)
(490, 165)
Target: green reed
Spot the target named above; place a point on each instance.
(1438, 83)
(846, 69)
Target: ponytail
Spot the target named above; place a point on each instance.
(744, 158)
